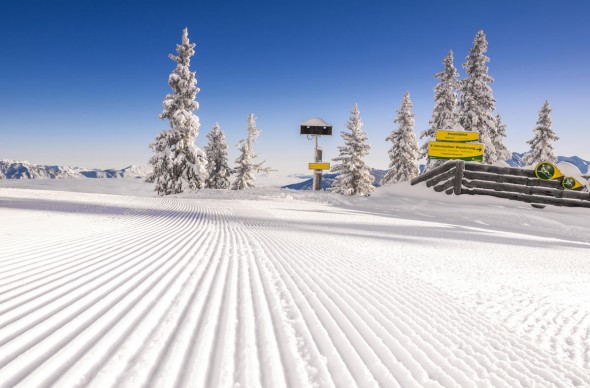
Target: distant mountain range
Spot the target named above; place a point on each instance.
(581, 164)
(12, 169)
(515, 161)
(328, 179)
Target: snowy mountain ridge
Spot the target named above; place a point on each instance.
(13, 169)
(581, 164)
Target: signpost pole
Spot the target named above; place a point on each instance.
(316, 127)
(317, 174)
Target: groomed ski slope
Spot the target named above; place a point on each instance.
(274, 291)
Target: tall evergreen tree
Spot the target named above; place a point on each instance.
(502, 152)
(542, 141)
(404, 150)
(354, 178)
(217, 167)
(177, 162)
(477, 103)
(444, 115)
(245, 166)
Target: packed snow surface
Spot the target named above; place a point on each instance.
(276, 288)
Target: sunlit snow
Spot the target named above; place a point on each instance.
(103, 284)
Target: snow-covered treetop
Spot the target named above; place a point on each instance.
(476, 93)
(404, 148)
(178, 163)
(477, 103)
(445, 96)
(178, 106)
(405, 118)
(354, 178)
(542, 141)
(476, 60)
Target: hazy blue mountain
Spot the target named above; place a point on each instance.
(12, 169)
(328, 179)
(580, 163)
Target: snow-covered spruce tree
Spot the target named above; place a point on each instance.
(178, 163)
(354, 178)
(444, 115)
(502, 152)
(542, 141)
(404, 150)
(217, 167)
(477, 103)
(245, 166)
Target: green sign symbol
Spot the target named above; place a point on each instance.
(569, 183)
(545, 170)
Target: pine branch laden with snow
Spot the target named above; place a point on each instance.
(502, 152)
(178, 163)
(245, 166)
(355, 177)
(477, 103)
(444, 114)
(404, 151)
(542, 141)
(217, 166)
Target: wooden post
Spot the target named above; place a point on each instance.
(317, 174)
(458, 176)
(432, 173)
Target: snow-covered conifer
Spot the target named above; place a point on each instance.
(404, 150)
(217, 167)
(444, 115)
(502, 152)
(354, 178)
(477, 103)
(542, 141)
(177, 162)
(245, 166)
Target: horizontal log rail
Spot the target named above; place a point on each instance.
(459, 177)
(444, 186)
(529, 198)
(434, 172)
(500, 170)
(442, 177)
(518, 180)
(533, 190)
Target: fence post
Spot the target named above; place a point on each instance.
(460, 167)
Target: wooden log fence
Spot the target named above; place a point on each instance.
(518, 184)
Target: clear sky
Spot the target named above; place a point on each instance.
(81, 82)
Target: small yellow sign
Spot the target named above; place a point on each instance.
(463, 151)
(457, 136)
(319, 166)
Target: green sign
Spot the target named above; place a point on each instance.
(571, 183)
(546, 170)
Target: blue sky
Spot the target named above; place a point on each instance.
(81, 83)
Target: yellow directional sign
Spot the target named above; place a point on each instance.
(463, 151)
(319, 166)
(457, 136)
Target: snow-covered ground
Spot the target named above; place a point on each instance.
(102, 284)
